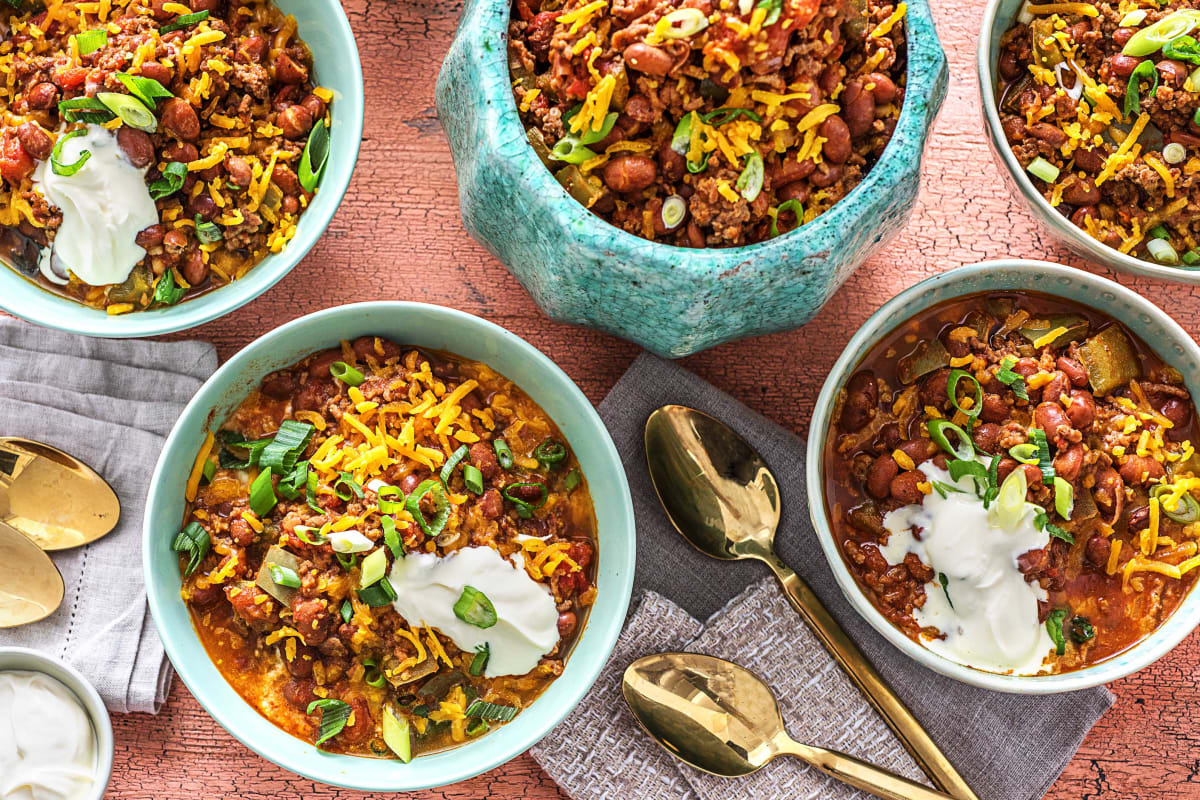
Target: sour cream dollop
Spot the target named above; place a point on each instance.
(47, 745)
(104, 206)
(993, 622)
(427, 587)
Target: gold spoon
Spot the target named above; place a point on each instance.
(31, 587)
(723, 719)
(52, 497)
(720, 494)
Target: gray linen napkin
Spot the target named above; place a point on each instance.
(1008, 747)
(110, 403)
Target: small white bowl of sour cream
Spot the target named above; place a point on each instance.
(56, 738)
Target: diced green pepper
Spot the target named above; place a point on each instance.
(928, 356)
(1110, 360)
(1035, 328)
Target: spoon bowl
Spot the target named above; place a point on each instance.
(31, 587)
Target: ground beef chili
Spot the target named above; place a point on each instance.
(242, 106)
(1119, 426)
(1109, 139)
(708, 123)
(412, 413)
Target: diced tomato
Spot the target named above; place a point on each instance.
(579, 88)
(15, 164)
(803, 12)
(70, 77)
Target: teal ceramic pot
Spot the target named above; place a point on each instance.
(998, 17)
(324, 27)
(671, 300)
(425, 326)
(1172, 344)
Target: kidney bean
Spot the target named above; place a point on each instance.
(1097, 550)
(175, 242)
(302, 665)
(252, 49)
(830, 77)
(1080, 191)
(904, 487)
(566, 623)
(137, 146)
(1010, 69)
(151, 237)
(1082, 410)
(180, 151)
(1089, 160)
(1074, 371)
(211, 6)
(363, 727)
(797, 190)
(1079, 216)
(1141, 469)
(203, 205)
(789, 170)
(994, 408)
(826, 175)
(648, 59)
(238, 171)
(483, 456)
(1014, 129)
(1123, 65)
(879, 476)
(1050, 134)
(289, 204)
(1122, 35)
(1172, 72)
(630, 173)
(285, 179)
(157, 72)
(1049, 417)
(179, 118)
(1109, 491)
(986, 436)
(1068, 462)
(882, 87)
(695, 236)
(1139, 519)
(1185, 139)
(295, 122)
(933, 390)
(918, 450)
(1025, 367)
(858, 108)
(1177, 411)
(35, 141)
(299, 692)
(194, 270)
(837, 147)
(315, 107)
(41, 96)
(671, 163)
(288, 71)
(1033, 475)
(862, 397)
(158, 12)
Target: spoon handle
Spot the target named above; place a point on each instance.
(861, 775)
(868, 680)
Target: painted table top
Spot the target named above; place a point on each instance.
(398, 236)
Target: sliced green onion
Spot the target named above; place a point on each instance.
(448, 469)
(1185, 515)
(291, 484)
(89, 42)
(347, 487)
(681, 140)
(1159, 232)
(1012, 380)
(349, 542)
(372, 676)
(334, 716)
(750, 182)
(1054, 624)
(725, 115)
(1010, 503)
(1045, 464)
(186, 21)
(945, 582)
(1151, 39)
(695, 168)
(684, 22)
(1041, 168)
(1081, 630)
(1191, 258)
(347, 611)
(938, 430)
(314, 157)
(1182, 48)
(284, 576)
(946, 489)
(170, 182)
(348, 562)
(774, 10)
(524, 508)
(390, 506)
(491, 711)
(503, 453)
(590, 136)
(165, 291)
(571, 481)
(474, 608)
(85, 109)
(960, 467)
(60, 168)
(571, 150)
(262, 494)
(310, 535)
(550, 452)
(391, 537)
(1174, 153)
(1025, 453)
(477, 727)
(1133, 103)
(373, 568)
(473, 478)
(1133, 18)
(971, 413)
(378, 594)
(208, 232)
(479, 662)
(1064, 498)
(1162, 251)
(993, 482)
(397, 734)
(145, 89)
(130, 110)
(441, 507)
(674, 209)
(794, 206)
(194, 542)
(209, 470)
(311, 491)
(346, 373)
(288, 443)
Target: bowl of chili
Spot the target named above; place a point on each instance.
(432, 329)
(1082, 502)
(581, 267)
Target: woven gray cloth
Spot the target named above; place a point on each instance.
(1008, 747)
(111, 403)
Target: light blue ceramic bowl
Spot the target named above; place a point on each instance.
(671, 300)
(324, 27)
(1156, 329)
(426, 326)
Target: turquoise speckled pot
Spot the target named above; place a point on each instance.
(674, 301)
(425, 326)
(324, 27)
(1171, 342)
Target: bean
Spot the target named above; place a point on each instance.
(285, 179)
(1177, 411)
(826, 175)
(37, 142)
(1050, 134)
(1025, 367)
(1185, 139)
(151, 237)
(288, 71)
(880, 475)
(797, 190)
(290, 204)
(1109, 491)
(1123, 65)
(933, 391)
(295, 122)
(253, 49)
(179, 118)
(238, 170)
(137, 146)
(41, 96)
(158, 12)
(1056, 388)
(1141, 469)
(630, 173)
(1080, 191)
(1172, 72)
(671, 163)
(1082, 410)
(830, 77)
(883, 87)
(1079, 216)
(862, 397)
(1049, 417)
(175, 242)
(483, 456)
(156, 72)
(194, 270)
(363, 726)
(1090, 160)
(211, 6)
(1068, 462)
(203, 205)
(1073, 369)
(904, 487)
(919, 450)
(837, 147)
(1010, 69)
(648, 59)
(994, 408)
(180, 151)
(790, 170)
(299, 692)
(1139, 519)
(695, 236)
(986, 436)
(566, 623)
(314, 105)
(1097, 550)
(1122, 35)
(858, 108)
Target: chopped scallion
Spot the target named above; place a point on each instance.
(186, 21)
(441, 507)
(262, 494)
(491, 711)
(194, 542)
(131, 111)
(448, 469)
(474, 608)
(473, 478)
(503, 453)
(314, 157)
(525, 509)
(284, 576)
(60, 168)
(334, 716)
(171, 181)
(377, 594)
(1043, 169)
(89, 42)
(346, 373)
